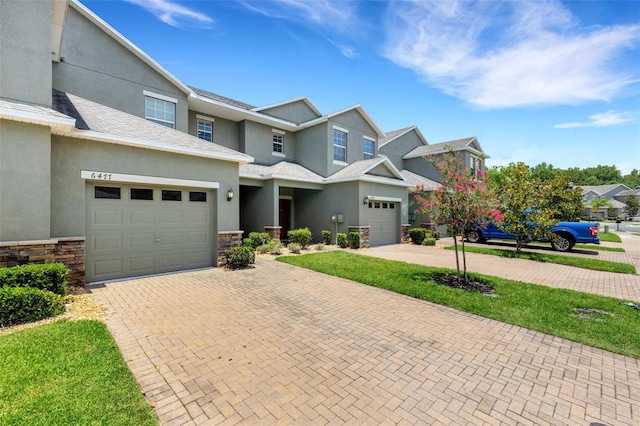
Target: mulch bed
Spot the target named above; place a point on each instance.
(468, 285)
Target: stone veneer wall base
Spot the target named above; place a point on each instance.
(68, 250)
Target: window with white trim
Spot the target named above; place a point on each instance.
(474, 164)
(205, 130)
(160, 111)
(278, 143)
(368, 148)
(339, 145)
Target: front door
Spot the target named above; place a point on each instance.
(285, 217)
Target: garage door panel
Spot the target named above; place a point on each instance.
(197, 237)
(107, 217)
(108, 267)
(383, 221)
(141, 241)
(168, 218)
(197, 217)
(141, 265)
(108, 242)
(126, 237)
(141, 217)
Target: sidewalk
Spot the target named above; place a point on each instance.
(621, 286)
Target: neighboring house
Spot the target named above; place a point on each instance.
(613, 193)
(123, 170)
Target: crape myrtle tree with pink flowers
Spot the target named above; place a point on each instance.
(460, 203)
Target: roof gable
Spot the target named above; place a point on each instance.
(357, 108)
(297, 110)
(396, 134)
(467, 144)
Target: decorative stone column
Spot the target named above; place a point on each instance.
(68, 251)
(228, 239)
(404, 234)
(364, 234)
(274, 232)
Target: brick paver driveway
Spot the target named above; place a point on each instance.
(279, 344)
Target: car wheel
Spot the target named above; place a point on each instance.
(474, 236)
(561, 243)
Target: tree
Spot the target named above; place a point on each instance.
(632, 180)
(598, 202)
(631, 205)
(460, 202)
(524, 202)
(563, 198)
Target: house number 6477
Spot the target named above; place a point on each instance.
(101, 176)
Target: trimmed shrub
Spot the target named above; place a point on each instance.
(25, 304)
(294, 248)
(429, 241)
(246, 242)
(48, 276)
(272, 247)
(259, 238)
(239, 257)
(300, 236)
(417, 235)
(326, 237)
(342, 240)
(354, 240)
(320, 246)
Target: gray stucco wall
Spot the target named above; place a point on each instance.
(97, 67)
(258, 142)
(370, 188)
(357, 128)
(422, 167)
(225, 132)
(25, 162)
(25, 51)
(311, 151)
(70, 156)
(298, 112)
(397, 148)
(258, 207)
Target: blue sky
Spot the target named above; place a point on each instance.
(535, 81)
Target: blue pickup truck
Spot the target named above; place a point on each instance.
(567, 234)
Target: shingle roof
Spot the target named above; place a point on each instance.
(359, 169)
(222, 99)
(33, 114)
(110, 125)
(600, 189)
(283, 170)
(424, 150)
(416, 180)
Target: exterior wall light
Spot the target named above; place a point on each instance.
(230, 194)
(366, 199)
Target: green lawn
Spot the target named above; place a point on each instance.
(609, 237)
(579, 262)
(68, 373)
(545, 309)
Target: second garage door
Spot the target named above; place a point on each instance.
(383, 219)
(134, 230)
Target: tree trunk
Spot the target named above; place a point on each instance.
(455, 245)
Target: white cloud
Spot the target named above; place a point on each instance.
(325, 13)
(505, 54)
(174, 14)
(609, 118)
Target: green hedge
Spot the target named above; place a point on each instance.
(326, 236)
(48, 276)
(300, 236)
(342, 240)
(417, 235)
(353, 239)
(24, 304)
(239, 257)
(257, 239)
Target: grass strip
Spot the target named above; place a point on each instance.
(545, 309)
(68, 373)
(578, 262)
(609, 237)
(599, 248)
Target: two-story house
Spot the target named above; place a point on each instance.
(114, 166)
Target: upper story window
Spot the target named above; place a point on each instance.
(339, 145)
(369, 148)
(160, 109)
(205, 129)
(474, 164)
(278, 142)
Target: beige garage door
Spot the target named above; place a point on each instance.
(134, 230)
(383, 219)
